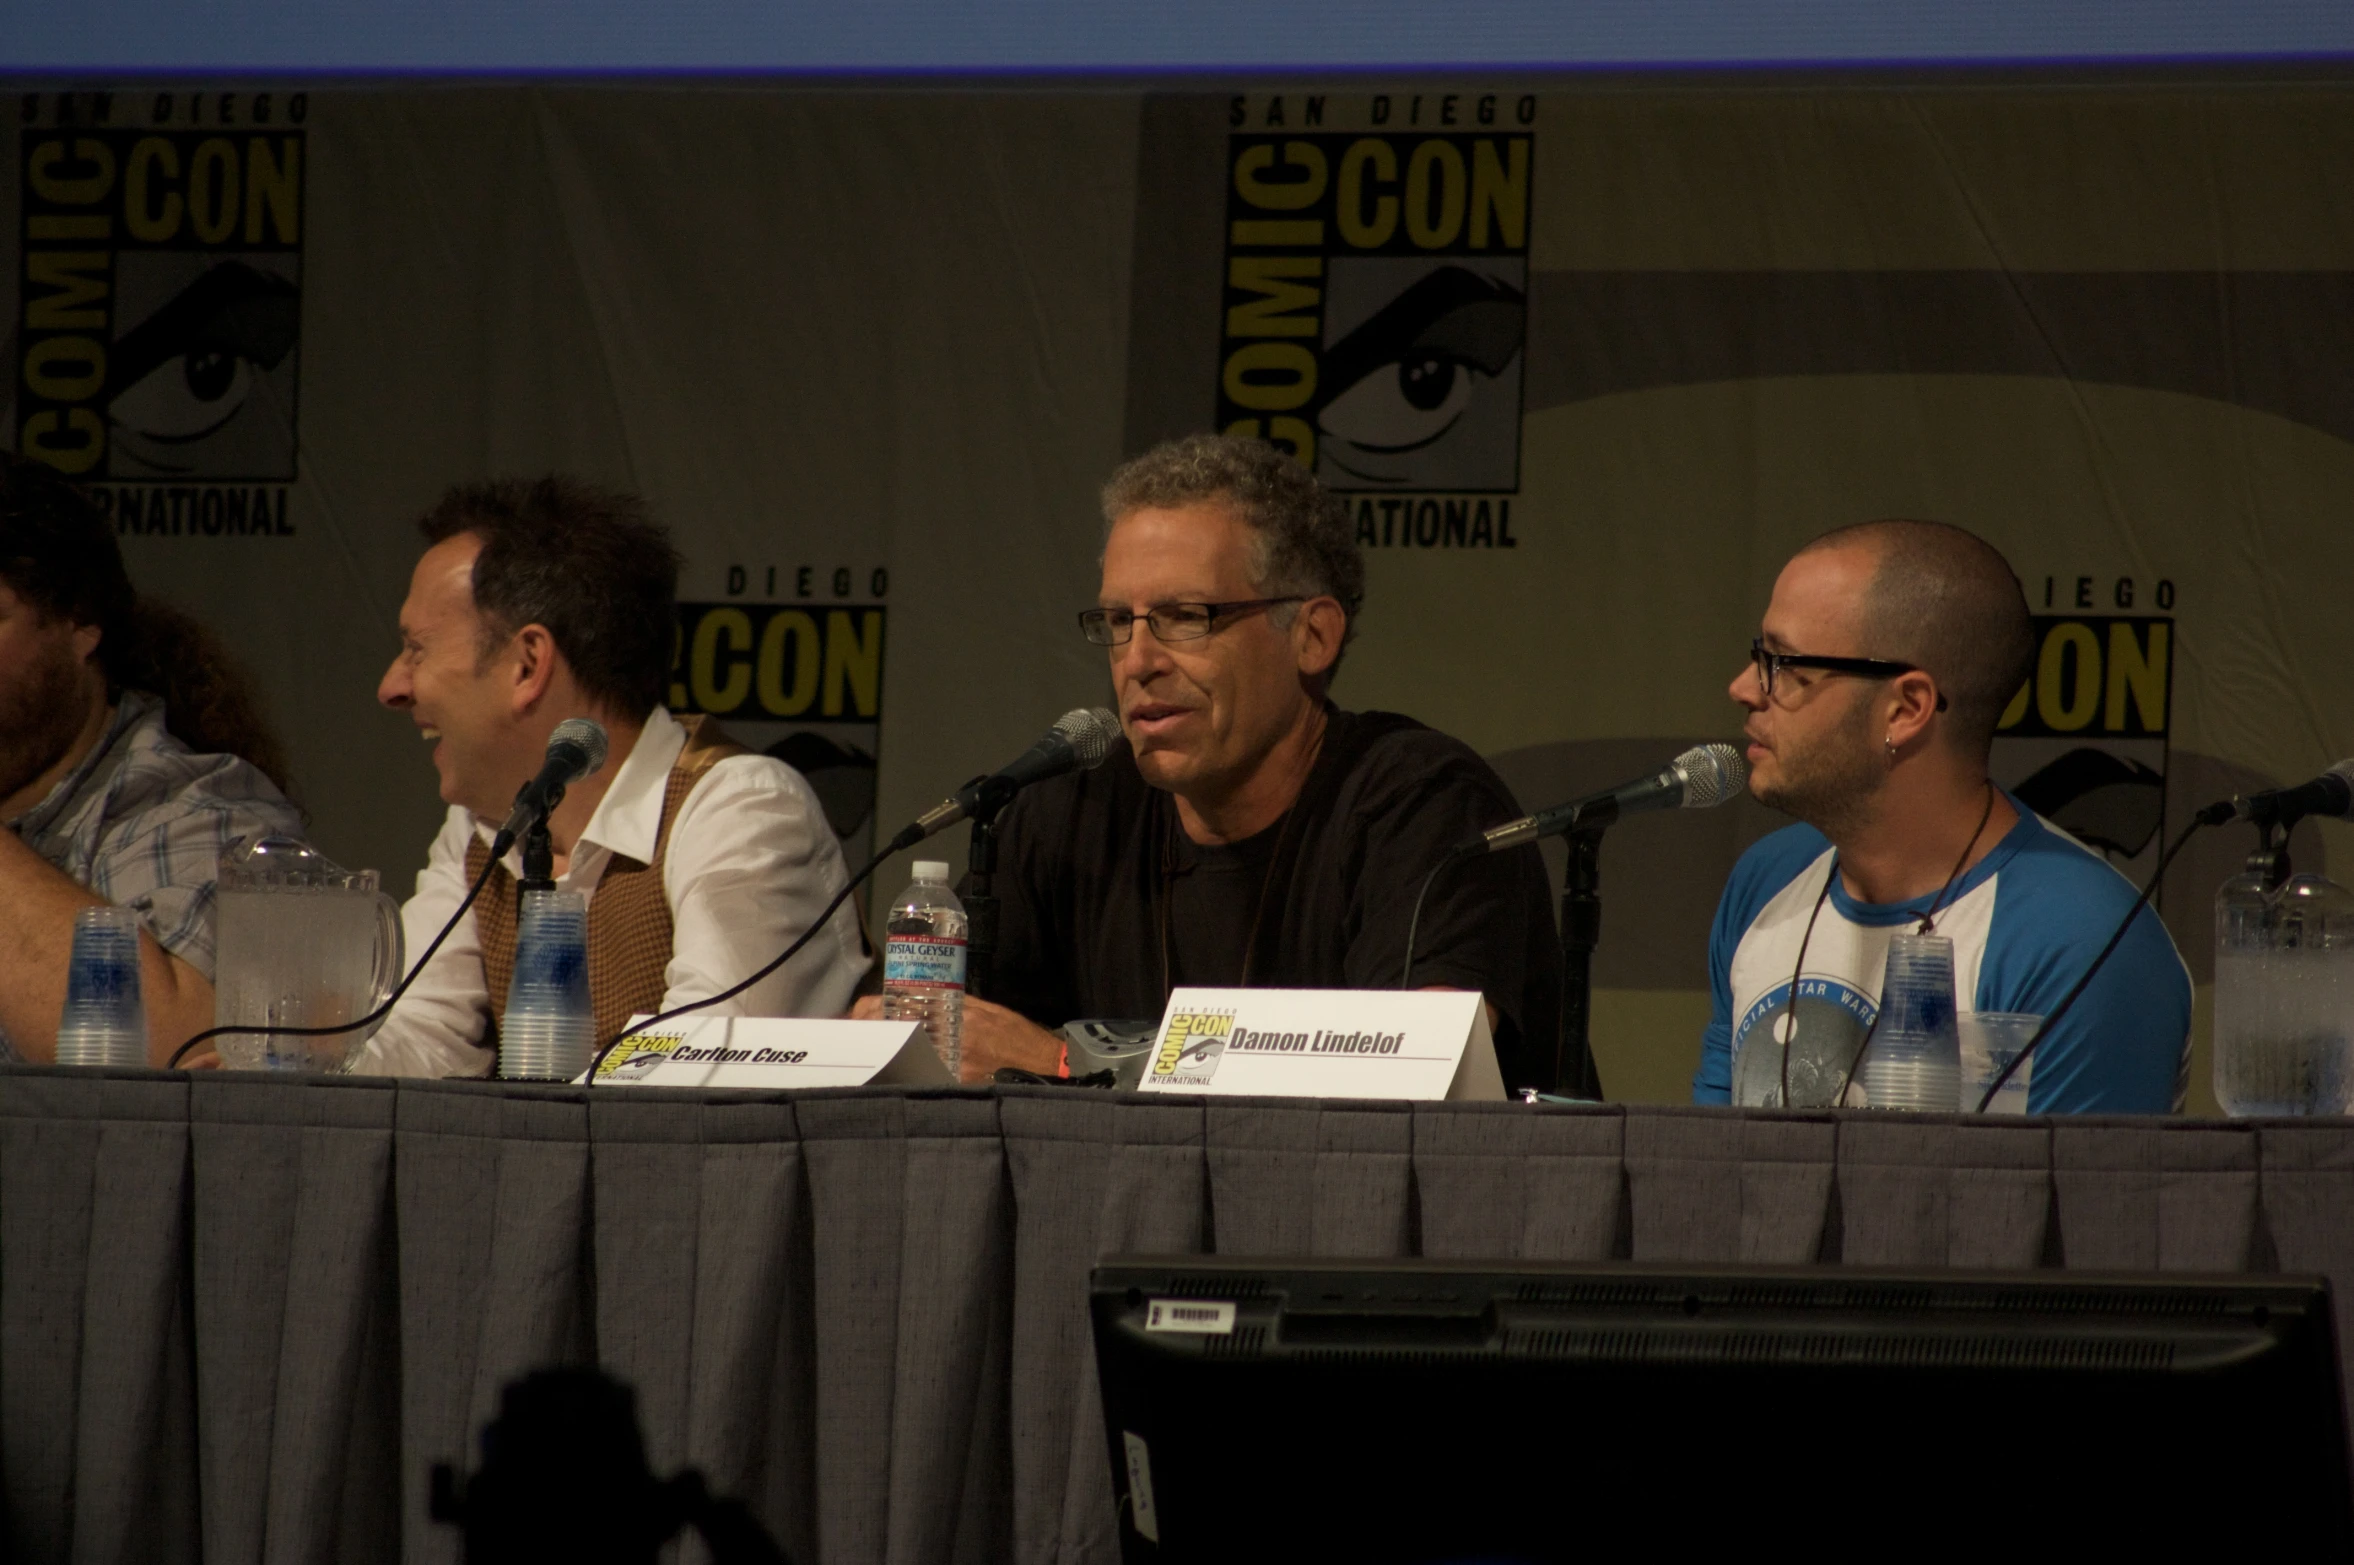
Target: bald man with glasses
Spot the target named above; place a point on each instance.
(1247, 831)
(1873, 692)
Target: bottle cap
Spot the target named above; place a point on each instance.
(931, 869)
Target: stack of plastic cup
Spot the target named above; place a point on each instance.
(1913, 1061)
(104, 1021)
(548, 1032)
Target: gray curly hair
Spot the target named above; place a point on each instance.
(1302, 543)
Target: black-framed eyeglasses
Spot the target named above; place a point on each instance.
(1169, 621)
(1770, 663)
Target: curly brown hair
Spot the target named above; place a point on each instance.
(58, 553)
(1303, 544)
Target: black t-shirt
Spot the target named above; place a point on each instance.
(1216, 893)
(1105, 905)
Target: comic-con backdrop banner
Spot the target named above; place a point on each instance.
(864, 356)
(1585, 366)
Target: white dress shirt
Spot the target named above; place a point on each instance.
(751, 860)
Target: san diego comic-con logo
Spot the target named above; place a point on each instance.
(801, 680)
(636, 1056)
(1376, 303)
(2084, 743)
(1191, 1046)
(161, 303)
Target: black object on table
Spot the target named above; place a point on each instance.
(1574, 1074)
(1437, 1411)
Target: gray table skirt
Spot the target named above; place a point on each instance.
(241, 1317)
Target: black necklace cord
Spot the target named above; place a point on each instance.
(1929, 919)
(498, 851)
(2206, 817)
(781, 958)
(1798, 968)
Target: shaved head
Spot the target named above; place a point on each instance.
(1944, 599)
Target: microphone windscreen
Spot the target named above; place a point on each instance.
(585, 736)
(1712, 774)
(2344, 772)
(1091, 731)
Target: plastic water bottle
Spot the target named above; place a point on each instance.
(549, 1032)
(1914, 1059)
(105, 1020)
(2284, 997)
(923, 960)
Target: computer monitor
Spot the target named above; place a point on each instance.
(1411, 1413)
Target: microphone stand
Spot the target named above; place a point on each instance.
(1581, 931)
(2271, 858)
(980, 898)
(539, 860)
(539, 855)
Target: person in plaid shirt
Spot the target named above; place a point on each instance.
(131, 755)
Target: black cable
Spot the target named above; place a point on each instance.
(1406, 979)
(2205, 817)
(391, 1000)
(790, 952)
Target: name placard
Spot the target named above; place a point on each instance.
(1325, 1043)
(769, 1052)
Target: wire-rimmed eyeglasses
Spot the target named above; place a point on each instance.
(1169, 621)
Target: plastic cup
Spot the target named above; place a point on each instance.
(548, 1032)
(1991, 1040)
(104, 1022)
(1913, 1062)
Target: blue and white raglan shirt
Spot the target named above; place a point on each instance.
(2025, 922)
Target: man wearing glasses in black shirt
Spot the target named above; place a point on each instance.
(1248, 831)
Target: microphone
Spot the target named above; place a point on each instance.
(1078, 742)
(2331, 794)
(575, 750)
(1702, 777)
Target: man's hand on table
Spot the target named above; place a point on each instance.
(992, 1037)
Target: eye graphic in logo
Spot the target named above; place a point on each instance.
(184, 382)
(1425, 390)
(2113, 802)
(1193, 1045)
(842, 776)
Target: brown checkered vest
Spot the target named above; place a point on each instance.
(629, 926)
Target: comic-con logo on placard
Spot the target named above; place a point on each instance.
(1191, 1046)
(637, 1056)
(162, 302)
(1376, 300)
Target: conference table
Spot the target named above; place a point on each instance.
(241, 1316)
